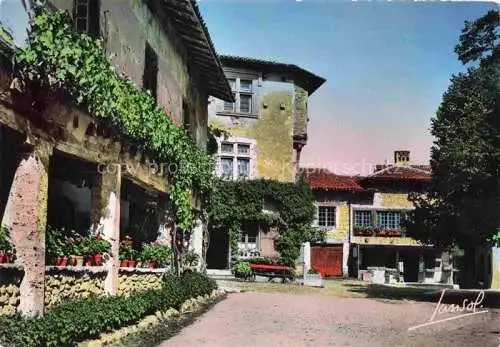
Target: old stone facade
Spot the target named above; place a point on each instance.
(268, 128)
(60, 167)
(363, 217)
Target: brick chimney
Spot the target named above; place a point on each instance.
(402, 157)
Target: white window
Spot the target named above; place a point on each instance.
(327, 216)
(243, 94)
(363, 218)
(235, 160)
(389, 219)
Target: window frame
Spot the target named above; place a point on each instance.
(335, 213)
(236, 157)
(363, 220)
(391, 222)
(238, 92)
(92, 25)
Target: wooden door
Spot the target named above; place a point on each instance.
(327, 260)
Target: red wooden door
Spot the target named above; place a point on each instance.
(327, 260)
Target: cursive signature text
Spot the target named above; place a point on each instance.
(468, 308)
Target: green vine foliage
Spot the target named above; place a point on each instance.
(60, 59)
(238, 204)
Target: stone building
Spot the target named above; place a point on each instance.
(268, 128)
(363, 216)
(64, 168)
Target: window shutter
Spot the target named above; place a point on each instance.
(94, 18)
(255, 97)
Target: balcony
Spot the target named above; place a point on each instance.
(378, 231)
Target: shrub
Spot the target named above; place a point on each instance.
(242, 269)
(85, 319)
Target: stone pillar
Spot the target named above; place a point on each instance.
(105, 216)
(345, 259)
(307, 257)
(196, 241)
(166, 221)
(26, 217)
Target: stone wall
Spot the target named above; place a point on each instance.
(136, 280)
(72, 283)
(10, 279)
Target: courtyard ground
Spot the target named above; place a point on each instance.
(281, 315)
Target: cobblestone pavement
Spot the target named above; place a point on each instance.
(278, 319)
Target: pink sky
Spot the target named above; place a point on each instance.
(345, 140)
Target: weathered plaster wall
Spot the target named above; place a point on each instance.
(10, 295)
(341, 202)
(272, 132)
(128, 28)
(301, 117)
(133, 282)
(395, 200)
(380, 240)
(63, 285)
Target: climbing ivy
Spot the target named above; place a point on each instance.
(58, 58)
(238, 204)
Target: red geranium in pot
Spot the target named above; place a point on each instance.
(7, 252)
(127, 253)
(99, 250)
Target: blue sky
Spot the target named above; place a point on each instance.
(387, 65)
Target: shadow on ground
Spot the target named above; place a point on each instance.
(458, 297)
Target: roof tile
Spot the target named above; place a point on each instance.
(318, 178)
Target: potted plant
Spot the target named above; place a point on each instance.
(102, 250)
(78, 250)
(95, 249)
(155, 255)
(7, 251)
(126, 254)
(241, 269)
(313, 279)
(56, 247)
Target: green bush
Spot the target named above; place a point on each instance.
(86, 319)
(242, 269)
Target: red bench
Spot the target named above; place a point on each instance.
(273, 271)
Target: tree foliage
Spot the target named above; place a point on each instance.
(463, 206)
(238, 204)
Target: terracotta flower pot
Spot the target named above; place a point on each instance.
(131, 263)
(124, 263)
(98, 258)
(62, 261)
(4, 258)
(153, 264)
(77, 260)
(89, 260)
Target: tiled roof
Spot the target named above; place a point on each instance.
(323, 179)
(301, 77)
(401, 172)
(192, 30)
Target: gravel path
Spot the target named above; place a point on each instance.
(262, 319)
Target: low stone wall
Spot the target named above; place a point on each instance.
(70, 283)
(134, 280)
(10, 280)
